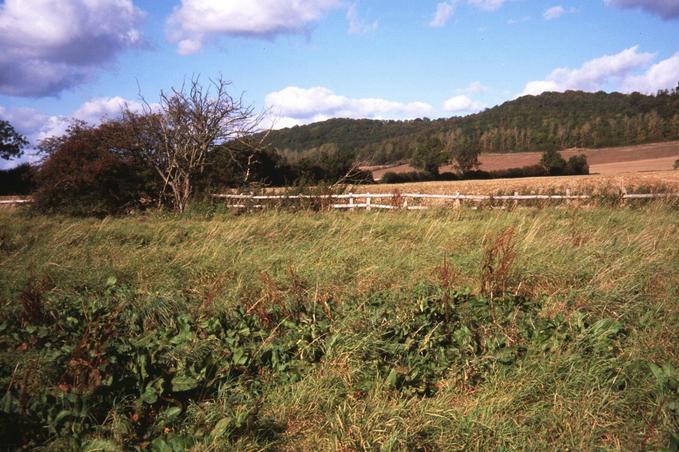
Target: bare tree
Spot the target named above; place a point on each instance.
(175, 136)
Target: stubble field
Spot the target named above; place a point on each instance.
(615, 161)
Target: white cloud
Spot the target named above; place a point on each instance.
(49, 46)
(592, 75)
(100, 108)
(37, 126)
(462, 104)
(667, 9)
(554, 12)
(663, 75)
(487, 5)
(195, 21)
(444, 11)
(537, 87)
(294, 105)
(356, 25)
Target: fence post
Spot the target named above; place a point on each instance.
(405, 202)
(368, 202)
(458, 201)
(516, 199)
(351, 201)
(623, 193)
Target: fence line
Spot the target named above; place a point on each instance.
(455, 197)
(401, 200)
(398, 200)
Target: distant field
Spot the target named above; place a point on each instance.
(606, 161)
(593, 184)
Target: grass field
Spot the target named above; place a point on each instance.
(531, 329)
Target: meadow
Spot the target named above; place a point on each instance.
(447, 329)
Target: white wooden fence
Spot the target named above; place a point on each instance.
(11, 202)
(411, 201)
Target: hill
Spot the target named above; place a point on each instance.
(530, 123)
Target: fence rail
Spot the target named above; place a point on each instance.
(15, 201)
(412, 201)
(409, 201)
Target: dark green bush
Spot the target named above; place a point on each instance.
(17, 181)
(577, 165)
(412, 176)
(553, 163)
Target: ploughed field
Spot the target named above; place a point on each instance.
(438, 330)
(605, 161)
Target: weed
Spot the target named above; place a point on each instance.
(498, 257)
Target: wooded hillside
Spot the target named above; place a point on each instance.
(529, 123)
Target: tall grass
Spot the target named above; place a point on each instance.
(603, 281)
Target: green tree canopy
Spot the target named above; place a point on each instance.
(429, 154)
(11, 142)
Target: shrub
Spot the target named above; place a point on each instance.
(553, 162)
(235, 167)
(82, 176)
(524, 171)
(476, 175)
(412, 176)
(676, 164)
(577, 165)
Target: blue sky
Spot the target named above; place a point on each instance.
(308, 60)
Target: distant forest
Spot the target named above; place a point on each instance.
(550, 121)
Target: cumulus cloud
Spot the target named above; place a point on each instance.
(462, 104)
(554, 12)
(444, 11)
(294, 105)
(195, 21)
(50, 46)
(592, 75)
(37, 126)
(663, 75)
(667, 9)
(100, 108)
(356, 25)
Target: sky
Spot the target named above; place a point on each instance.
(303, 61)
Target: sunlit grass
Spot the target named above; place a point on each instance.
(600, 263)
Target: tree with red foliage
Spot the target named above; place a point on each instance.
(84, 173)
